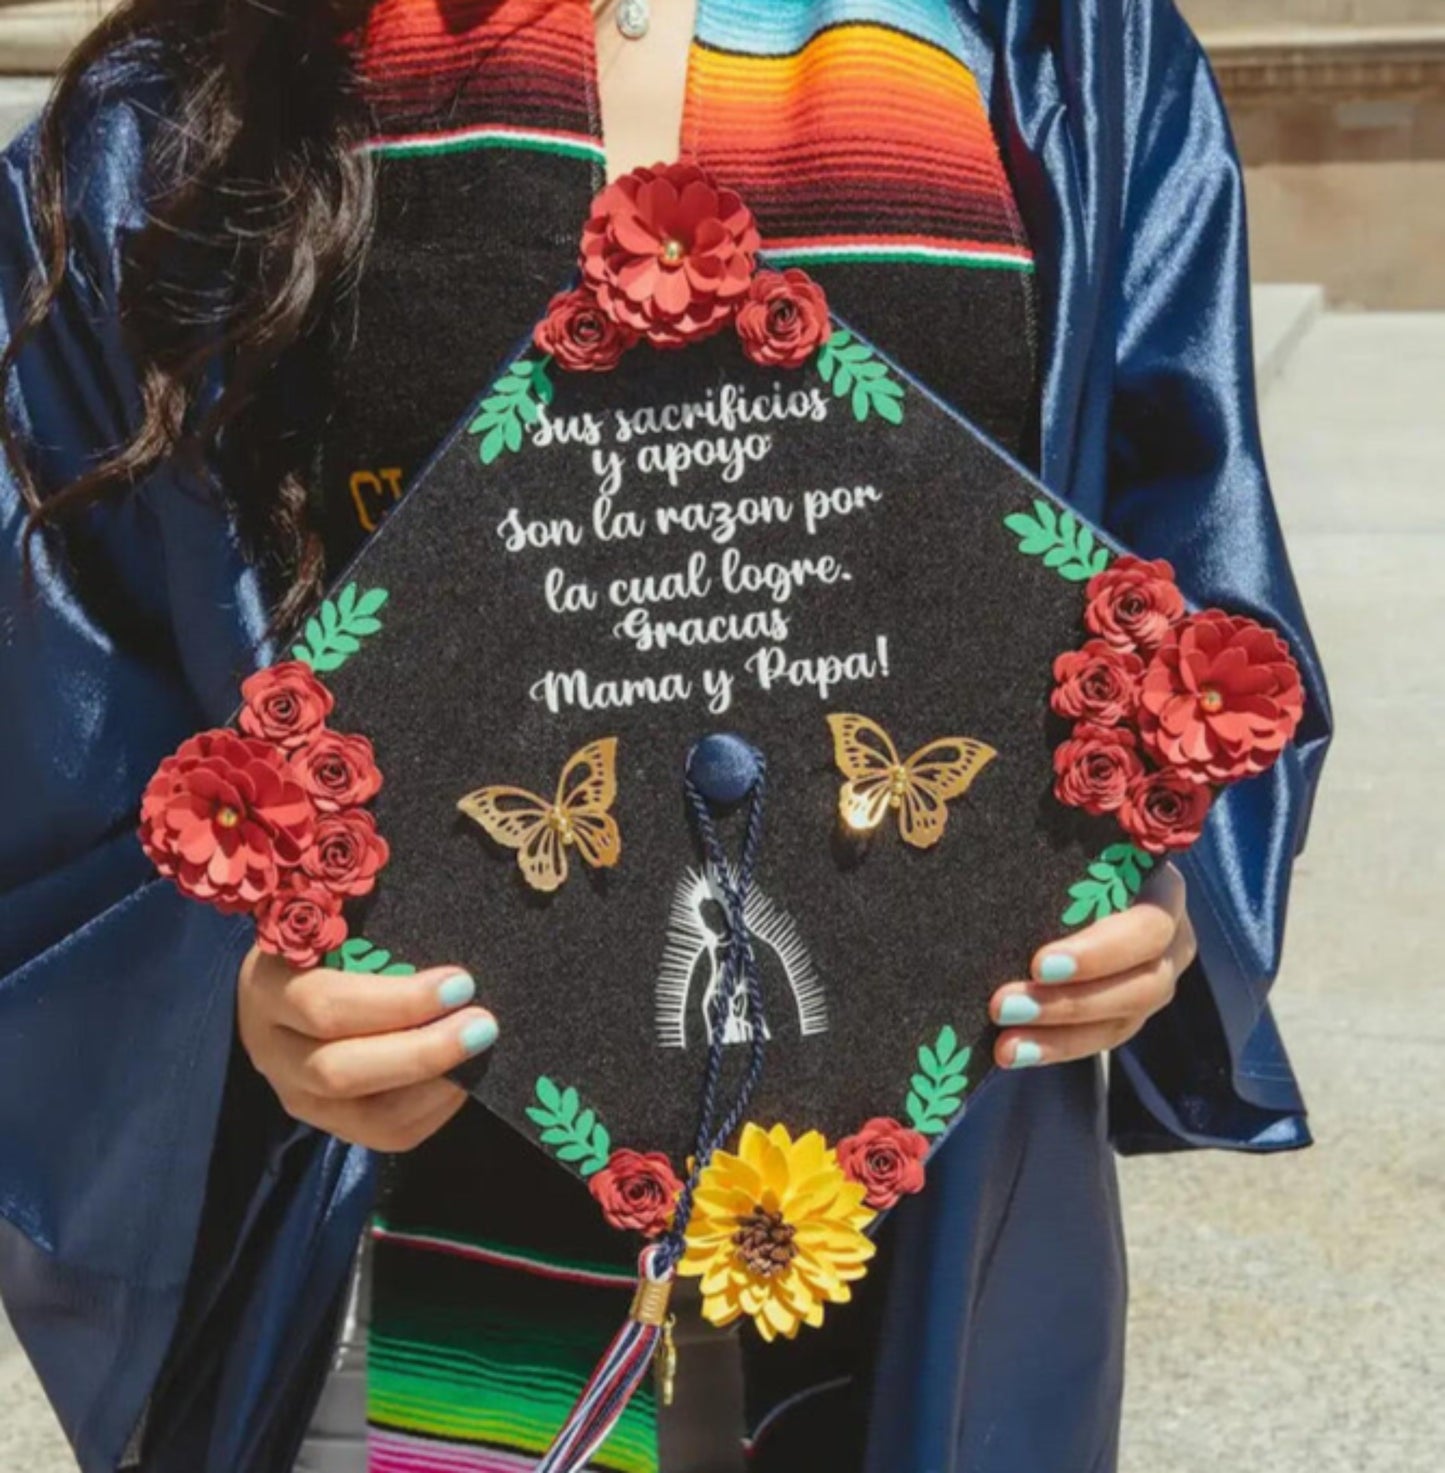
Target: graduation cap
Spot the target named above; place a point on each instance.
(746, 719)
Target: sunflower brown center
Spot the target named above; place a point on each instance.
(765, 1243)
(227, 817)
(1211, 699)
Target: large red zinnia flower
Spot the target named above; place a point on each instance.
(669, 254)
(1221, 698)
(224, 818)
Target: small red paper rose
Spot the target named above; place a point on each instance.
(1133, 604)
(285, 704)
(669, 254)
(224, 817)
(338, 771)
(1097, 683)
(1164, 811)
(784, 320)
(637, 1193)
(301, 922)
(580, 335)
(1095, 767)
(887, 1159)
(1221, 698)
(346, 853)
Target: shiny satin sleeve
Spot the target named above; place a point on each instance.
(1187, 481)
(132, 1200)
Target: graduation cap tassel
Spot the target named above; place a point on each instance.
(627, 1360)
(619, 1373)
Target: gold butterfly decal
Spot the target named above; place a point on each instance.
(543, 832)
(918, 790)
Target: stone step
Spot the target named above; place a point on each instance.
(1283, 316)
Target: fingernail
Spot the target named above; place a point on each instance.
(1057, 966)
(479, 1036)
(456, 991)
(1016, 1009)
(1027, 1056)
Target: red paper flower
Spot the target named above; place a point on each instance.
(784, 320)
(887, 1159)
(1164, 810)
(669, 254)
(301, 922)
(1221, 698)
(224, 817)
(638, 1193)
(285, 704)
(1097, 683)
(346, 852)
(1095, 767)
(338, 771)
(580, 335)
(1133, 604)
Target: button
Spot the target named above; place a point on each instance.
(724, 767)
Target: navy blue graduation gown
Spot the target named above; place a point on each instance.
(173, 1249)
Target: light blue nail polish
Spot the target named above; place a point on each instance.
(456, 991)
(1057, 966)
(479, 1036)
(1016, 1009)
(1027, 1056)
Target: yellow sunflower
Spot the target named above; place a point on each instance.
(776, 1232)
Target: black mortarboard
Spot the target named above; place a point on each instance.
(820, 572)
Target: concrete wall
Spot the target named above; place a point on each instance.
(1236, 14)
(1339, 110)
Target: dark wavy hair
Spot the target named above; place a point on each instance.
(258, 206)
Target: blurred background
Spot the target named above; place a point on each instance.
(1288, 1312)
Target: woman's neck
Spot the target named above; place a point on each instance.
(641, 83)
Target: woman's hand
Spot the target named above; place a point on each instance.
(360, 1057)
(1097, 989)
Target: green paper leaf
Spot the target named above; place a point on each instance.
(1112, 884)
(937, 1091)
(889, 409)
(514, 403)
(1062, 541)
(855, 372)
(543, 389)
(335, 631)
(573, 1132)
(358, 955)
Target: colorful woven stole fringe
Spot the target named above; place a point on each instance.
(856, 131)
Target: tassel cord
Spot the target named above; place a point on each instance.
(740, 966)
